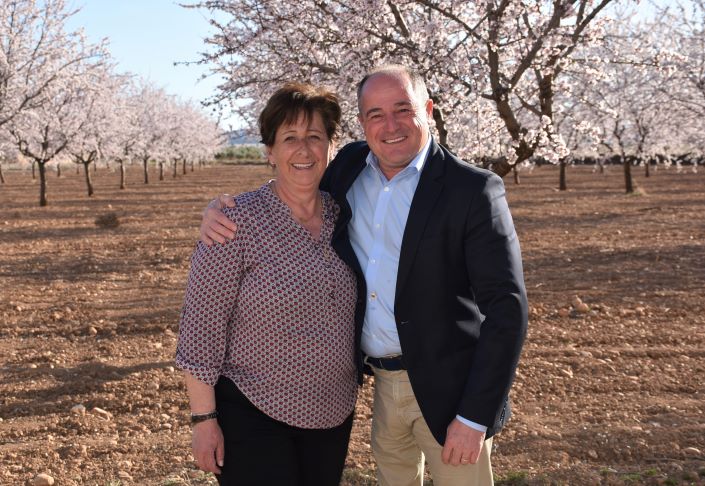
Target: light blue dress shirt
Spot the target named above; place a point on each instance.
(380, 208)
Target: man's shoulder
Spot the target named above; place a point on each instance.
(465, 172)
(352, 151)
(348, 161)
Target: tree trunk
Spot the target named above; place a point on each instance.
(58, 169)
(34, 177)
(2, 177)
(145, 161)
(78, 169)
(161, 170)
(516, 175)
(191, 165)
(122, 175)
(440, 125)
(500, 167)
(561, 178)
(89, 183)
(183, 167)
(42, 183)
(646, 167)
(95, 167)
(628, 183)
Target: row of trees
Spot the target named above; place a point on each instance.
(61, 98)
(512, 80)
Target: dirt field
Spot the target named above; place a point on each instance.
(89, 316)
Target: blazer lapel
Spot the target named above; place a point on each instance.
(339, 192)
(427, 192)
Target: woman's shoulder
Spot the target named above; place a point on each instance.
(248, 204)
(330, 207)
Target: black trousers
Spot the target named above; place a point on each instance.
(261, 451)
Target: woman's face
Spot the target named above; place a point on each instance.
(301, 153)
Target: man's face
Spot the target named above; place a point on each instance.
(395, 121)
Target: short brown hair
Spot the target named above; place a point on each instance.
(294, 99)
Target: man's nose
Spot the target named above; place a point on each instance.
(391, 123)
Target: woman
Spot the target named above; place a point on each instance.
(266, 337)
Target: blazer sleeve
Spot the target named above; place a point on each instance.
(493, 264)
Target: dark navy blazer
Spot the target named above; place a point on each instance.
(460, 303)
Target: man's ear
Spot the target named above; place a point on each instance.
(429, 108)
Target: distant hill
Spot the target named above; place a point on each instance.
(241, 137)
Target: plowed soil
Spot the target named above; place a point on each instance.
(607, 393)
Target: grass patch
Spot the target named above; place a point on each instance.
(513, 478)
(358, 477)
(107, 220)
(632, 478)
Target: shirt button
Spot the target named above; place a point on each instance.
(373, 295)
(386, 189)
(373, 261)
(377, 225)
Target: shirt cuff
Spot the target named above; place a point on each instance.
(471, 424)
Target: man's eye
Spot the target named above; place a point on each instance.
(314, 137)
(290, 139)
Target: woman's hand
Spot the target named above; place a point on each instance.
(208, 446)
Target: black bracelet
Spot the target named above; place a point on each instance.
(202, 417)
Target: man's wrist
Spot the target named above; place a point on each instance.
(471, 424)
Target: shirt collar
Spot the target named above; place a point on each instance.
(416, 164)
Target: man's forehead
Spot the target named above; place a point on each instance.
(396, 80)
(392, 88)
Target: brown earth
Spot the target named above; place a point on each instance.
(89, 315)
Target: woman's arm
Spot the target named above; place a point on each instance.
(207, 441)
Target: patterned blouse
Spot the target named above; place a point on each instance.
(273, 310)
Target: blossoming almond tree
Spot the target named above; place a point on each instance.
(152, 125)
(48, 128)
(491, 66)
(94, 105)
(682, 28)
(36, 53)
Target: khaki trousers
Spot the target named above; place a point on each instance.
(401, 440)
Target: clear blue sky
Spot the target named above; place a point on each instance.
(147, 37)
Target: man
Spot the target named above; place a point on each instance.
(438, 261)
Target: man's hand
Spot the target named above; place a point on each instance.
(208, 446)
(463, 444)
(215, 226)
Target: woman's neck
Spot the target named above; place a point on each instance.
(305, 206)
